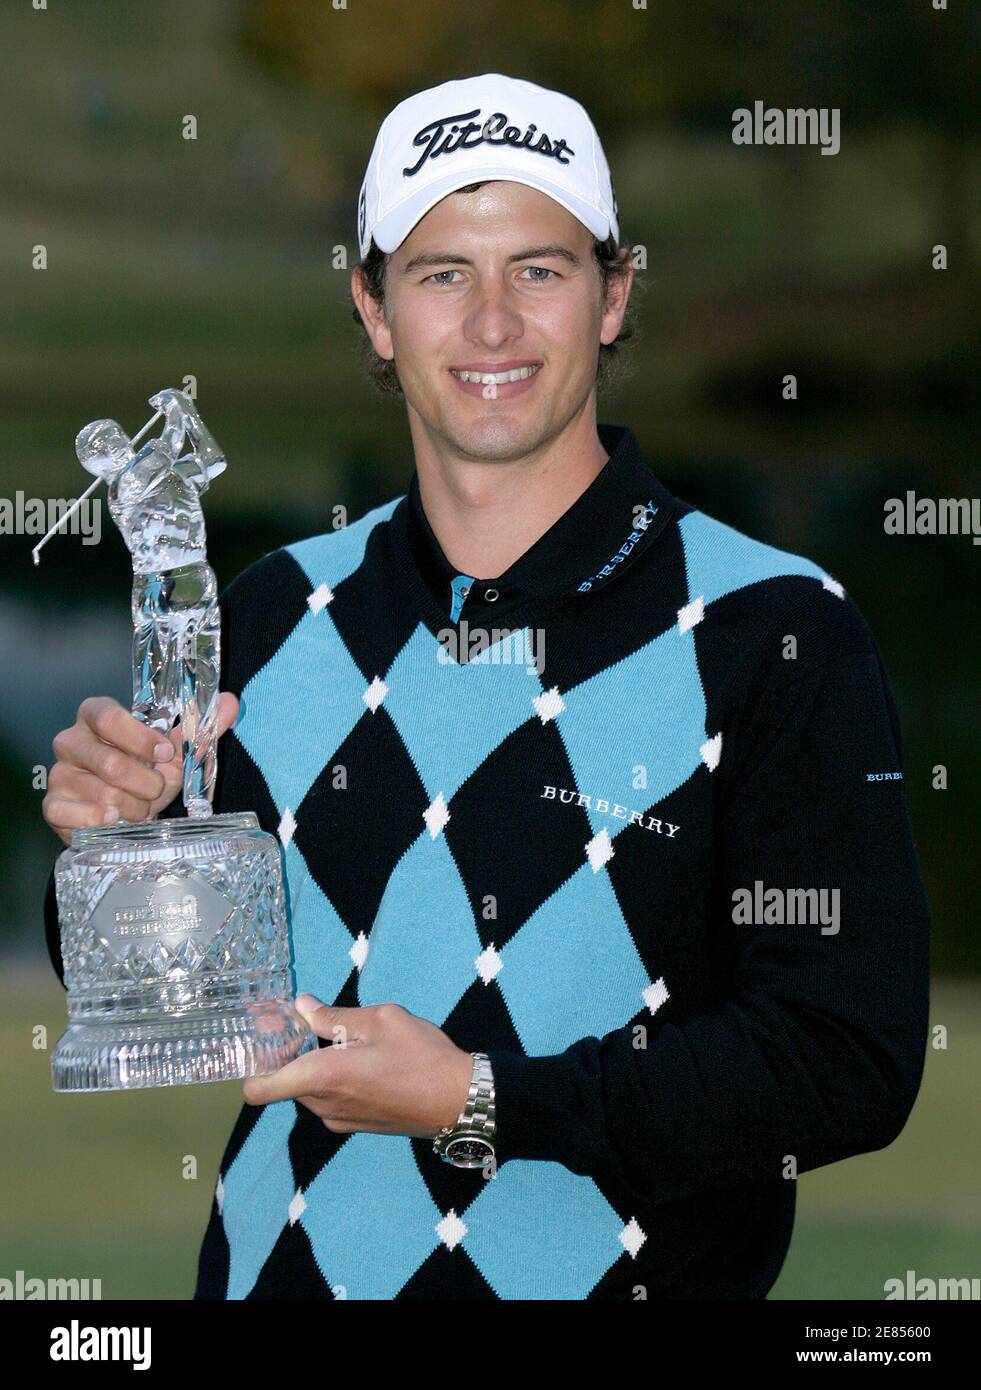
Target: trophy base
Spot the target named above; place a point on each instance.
(180, 1051)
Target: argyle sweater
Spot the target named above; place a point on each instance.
(573, 844)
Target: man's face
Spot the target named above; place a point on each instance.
(498, 280)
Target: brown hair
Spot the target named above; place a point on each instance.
(611, 257)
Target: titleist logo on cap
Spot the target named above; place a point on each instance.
(494, 131)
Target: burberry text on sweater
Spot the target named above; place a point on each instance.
(600, 803)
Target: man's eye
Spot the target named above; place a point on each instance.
(539, 279)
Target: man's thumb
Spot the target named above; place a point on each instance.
(228, 708)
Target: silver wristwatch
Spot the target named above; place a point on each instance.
(470, 1142)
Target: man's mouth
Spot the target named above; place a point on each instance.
(496, 378)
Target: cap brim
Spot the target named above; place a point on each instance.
(392, 230)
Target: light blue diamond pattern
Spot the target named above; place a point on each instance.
(572, 971)
(424, 917)
(334, 555)
(719, 559)
(300, 706)
(539, 1231)
(259, 1187)
(321, 941)
(647, 710)
(369, 1216)
(480, 703)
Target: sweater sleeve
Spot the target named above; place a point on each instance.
(817, 1049)
(52, 930)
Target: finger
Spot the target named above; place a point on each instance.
(75, 784)
(228, 708)
(323, 1113)
(329, 1021)
(308, 1075)
(169, 764)
(64, 814)
(110, 722)
(111, 764)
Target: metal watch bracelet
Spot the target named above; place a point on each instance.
(469, 1143)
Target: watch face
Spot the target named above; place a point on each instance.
(469, 1151)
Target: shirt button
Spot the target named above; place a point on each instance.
(490, 595)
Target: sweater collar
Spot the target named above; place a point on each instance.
(609, 526)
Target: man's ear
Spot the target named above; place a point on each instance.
(616, 300)
(372, 316)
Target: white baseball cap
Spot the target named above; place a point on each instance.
(487, 127)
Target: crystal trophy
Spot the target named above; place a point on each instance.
(174, 932)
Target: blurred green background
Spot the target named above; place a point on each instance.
(228, 258)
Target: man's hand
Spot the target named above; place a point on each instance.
(387, 1072)
(111, 766)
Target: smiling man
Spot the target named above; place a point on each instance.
(561, 1058)
(496, 338)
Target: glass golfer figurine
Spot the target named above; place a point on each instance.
(174, 932)
(155, 500)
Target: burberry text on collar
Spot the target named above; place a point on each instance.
(494, 131)
(600, 803)
(646, 517)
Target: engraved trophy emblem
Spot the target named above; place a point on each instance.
(174, 932)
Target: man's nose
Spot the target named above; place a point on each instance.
(495, 315)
